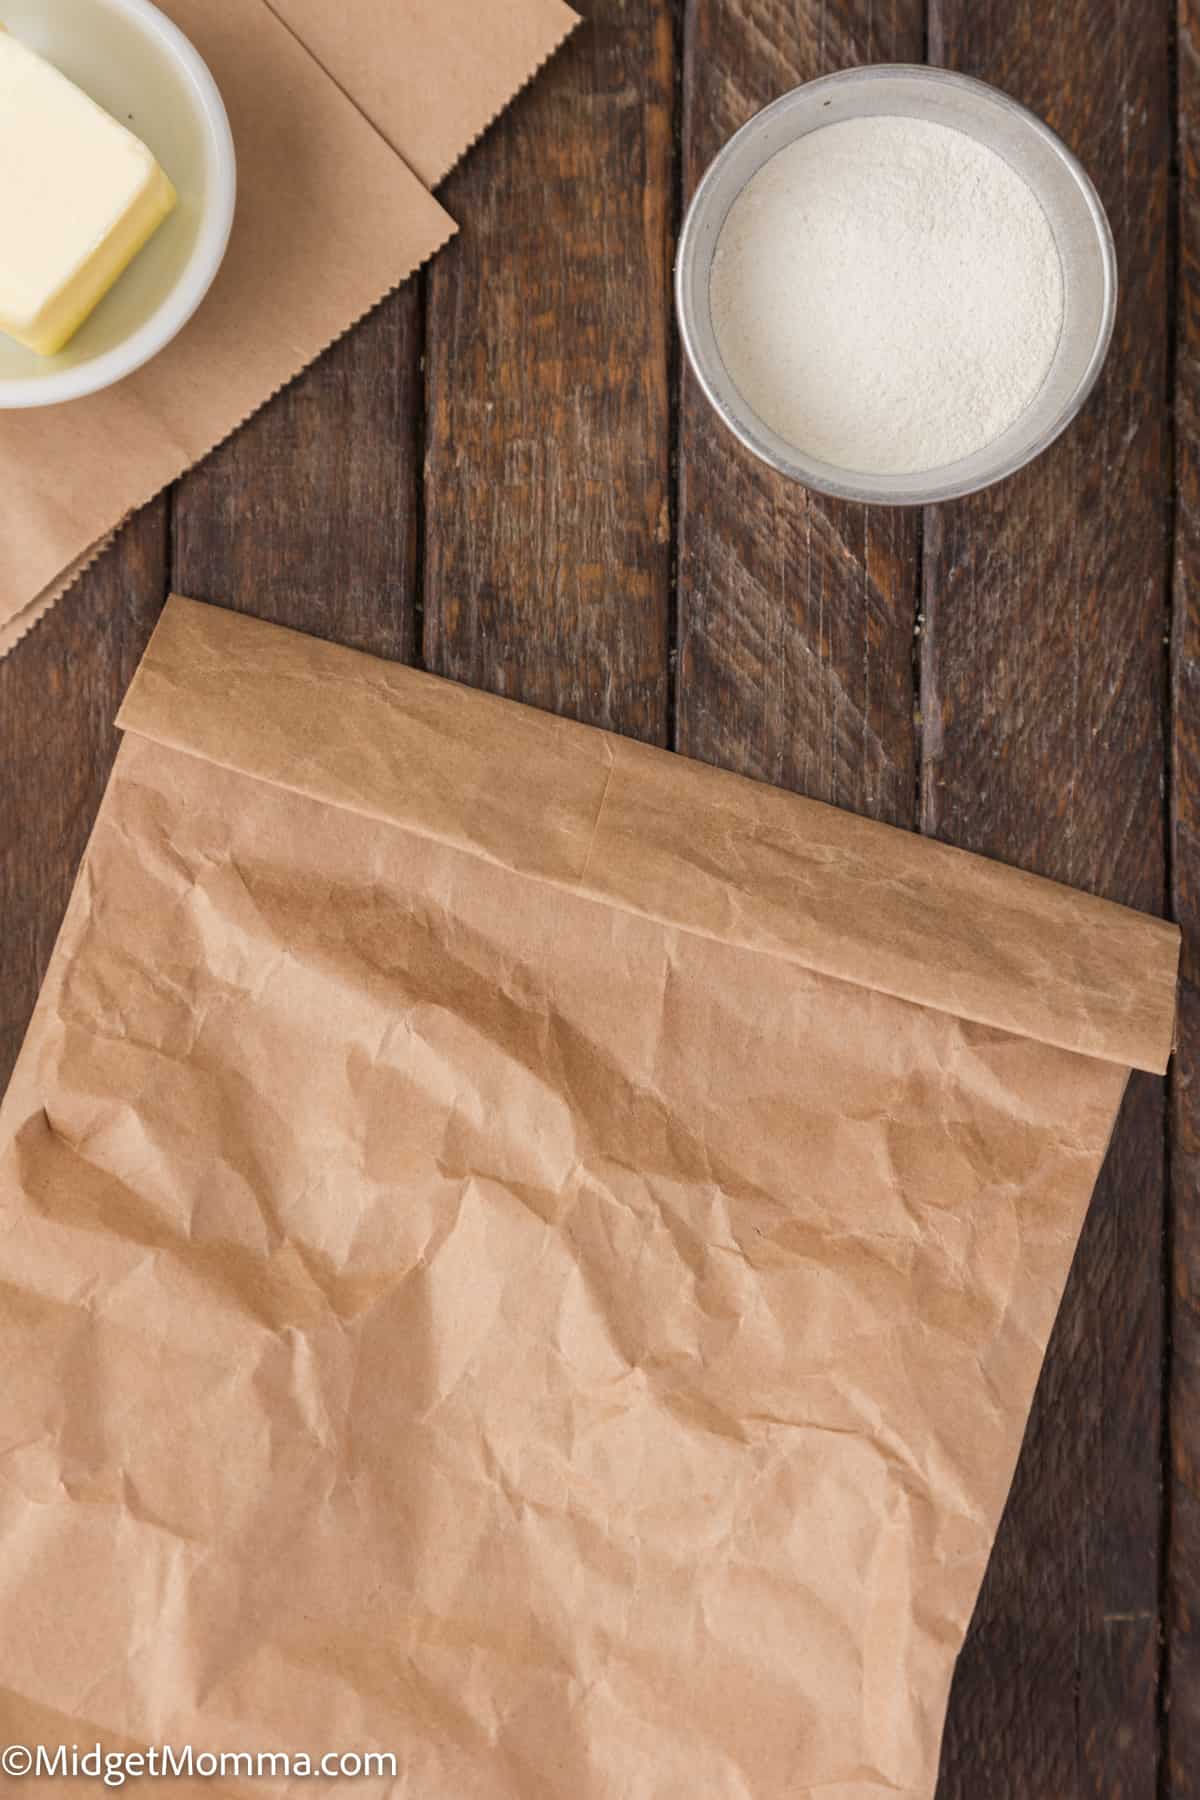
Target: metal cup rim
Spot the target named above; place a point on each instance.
(934, 485)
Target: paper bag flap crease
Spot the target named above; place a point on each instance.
(674, 840)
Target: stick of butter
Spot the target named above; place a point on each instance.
(79, 197)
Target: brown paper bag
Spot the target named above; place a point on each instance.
(328, 221)
(431, 75)
(320, 98)
(523, 1252)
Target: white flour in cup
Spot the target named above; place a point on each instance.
(887, 294)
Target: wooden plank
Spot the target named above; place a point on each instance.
(308, 515)
(1182, 1719)
(59, 691)
(547, 530)
(796, 614)
(1042, 697)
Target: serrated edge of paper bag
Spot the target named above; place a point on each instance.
(653, 833)
(536, 69)
(12, 630)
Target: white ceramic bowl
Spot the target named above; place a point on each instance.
(139, 66)
(1073, 210)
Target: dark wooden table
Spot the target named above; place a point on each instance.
(503, 476)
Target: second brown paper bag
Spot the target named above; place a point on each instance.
(524, 1252)
(324, 102)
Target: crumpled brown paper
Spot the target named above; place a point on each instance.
(523, 1251)
(329, 220)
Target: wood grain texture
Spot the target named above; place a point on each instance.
(1042, 698)
(59, 689)
(307, 516)
(1182, 1717)
(510, 517)
(795, 613)
(547, 526)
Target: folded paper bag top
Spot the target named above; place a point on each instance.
(689, 845)
(525, 1252)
